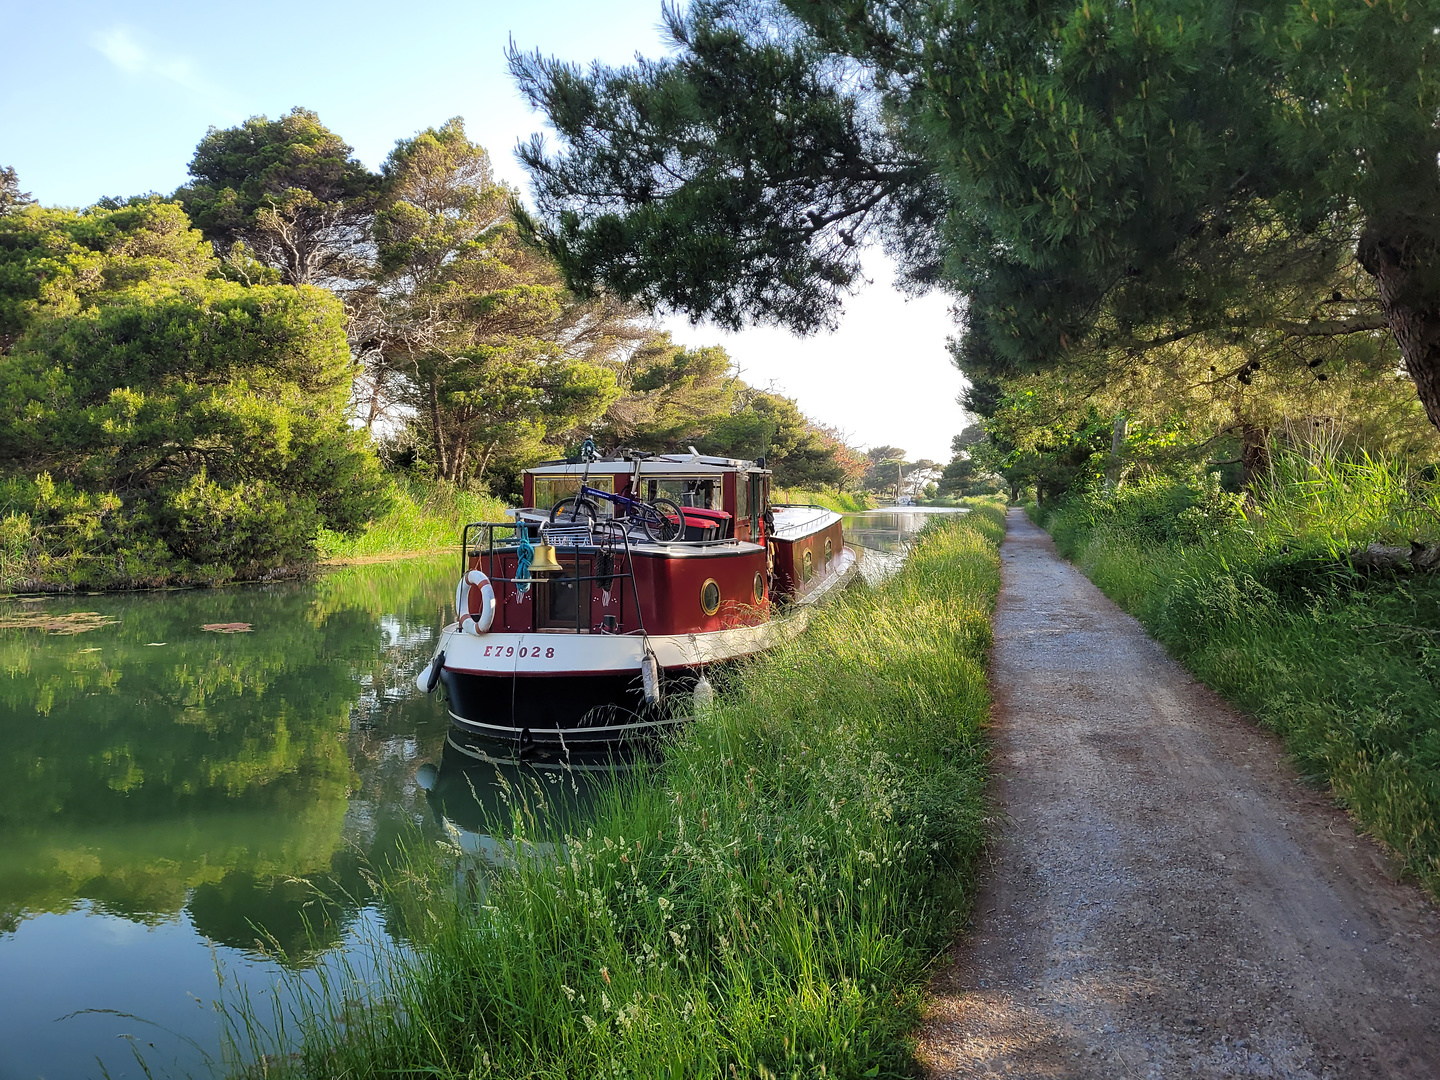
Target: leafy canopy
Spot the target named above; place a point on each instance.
(1107, 174)
(158, 420)
(289, 190)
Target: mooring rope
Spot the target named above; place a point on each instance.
(527, 556)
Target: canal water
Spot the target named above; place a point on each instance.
(187, 814)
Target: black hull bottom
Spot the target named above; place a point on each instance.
(565, 709)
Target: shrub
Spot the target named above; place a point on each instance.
(159, 423)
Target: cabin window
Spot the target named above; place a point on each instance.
(551, 489)
(703, 494)
(742, 499)
(759, 587)
(829, 552)
(710, 596)
(756, 501)
(807, 565)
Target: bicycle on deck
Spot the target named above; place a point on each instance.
(661, 520)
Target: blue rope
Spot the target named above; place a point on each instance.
(527, 556)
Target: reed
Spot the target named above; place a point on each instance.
(845, 502)
(765, 901)
(425, 518)
(1342, 662)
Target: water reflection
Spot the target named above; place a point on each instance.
(166, 792)
(890, 529)
(476, 794)
(884, 536)
(163, 788)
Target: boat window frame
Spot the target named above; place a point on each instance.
(564, 486)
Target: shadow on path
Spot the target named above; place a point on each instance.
(1167, 898)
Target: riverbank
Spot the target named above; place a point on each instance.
(1341, 661)
(844, 502)
(770, 897)
(424, 519)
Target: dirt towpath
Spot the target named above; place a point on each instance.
(1166, 899)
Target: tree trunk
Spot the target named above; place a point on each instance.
(442, 467)
(1115, 467)
(1401, 271)
(373, 413)
(1254, 451)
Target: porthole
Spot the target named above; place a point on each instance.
(759, 587)
(829, 551)
(807, 565)
(710, 596)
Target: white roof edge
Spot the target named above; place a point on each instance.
(677, 465)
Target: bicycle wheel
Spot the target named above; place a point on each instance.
(662, 521)
(573, 511)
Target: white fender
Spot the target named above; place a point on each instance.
(650, 678)
(475, 619)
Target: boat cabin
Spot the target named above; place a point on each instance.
(729, 495)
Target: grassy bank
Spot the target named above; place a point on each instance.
(1343, 662)
(765, 901)
(845, 502)
(425, 517)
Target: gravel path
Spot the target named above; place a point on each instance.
(1167, 898)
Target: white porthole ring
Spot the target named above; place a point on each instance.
(475, 603)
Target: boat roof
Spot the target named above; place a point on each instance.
(659, 465)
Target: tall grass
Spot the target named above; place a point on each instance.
(425, 517)
(845, 502)
(1343, 662)
(765, 901)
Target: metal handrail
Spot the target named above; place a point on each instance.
(657, 543)
(514, 526)
(800, 506)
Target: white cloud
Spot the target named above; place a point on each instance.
(120, 47)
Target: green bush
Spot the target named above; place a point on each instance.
(844, 502)
(424, 516)
(159, 423)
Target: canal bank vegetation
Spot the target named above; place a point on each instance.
(844, 502)
(294, 358)
(1158, 301)
(424, 518)
(765, 901)
(1313, 604)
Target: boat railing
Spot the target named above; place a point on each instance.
(577, 540)
(781, 529)
(539, 518)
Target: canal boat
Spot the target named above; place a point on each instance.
(593, 614)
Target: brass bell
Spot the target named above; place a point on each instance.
(545, 561)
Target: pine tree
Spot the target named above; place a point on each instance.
(1082, 174)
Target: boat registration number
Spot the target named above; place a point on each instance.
(530, 651)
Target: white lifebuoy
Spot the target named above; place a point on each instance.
(475, 602)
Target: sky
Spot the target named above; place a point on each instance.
(110, 99)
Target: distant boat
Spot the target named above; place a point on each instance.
(592, 616)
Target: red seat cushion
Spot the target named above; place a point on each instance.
(695, 515)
